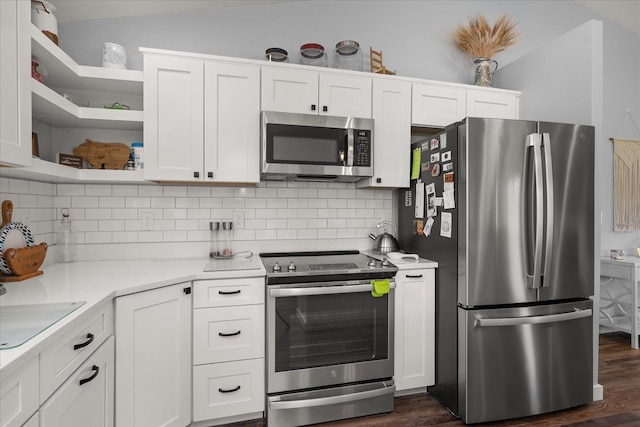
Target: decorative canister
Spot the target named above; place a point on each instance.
(276, 54)
(312, 54)
(43, 18)
(114, 56)
(347, 56)
(137, 150)
(484, 73)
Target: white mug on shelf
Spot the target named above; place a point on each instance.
(114, 56)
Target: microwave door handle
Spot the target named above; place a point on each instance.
(349, 161)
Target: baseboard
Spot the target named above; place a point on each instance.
(598, 392)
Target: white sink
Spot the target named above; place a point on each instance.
(20, 323)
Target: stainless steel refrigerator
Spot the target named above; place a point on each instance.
(512, 229)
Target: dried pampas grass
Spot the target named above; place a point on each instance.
(479, 40)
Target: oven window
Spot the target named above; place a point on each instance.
(321, 330)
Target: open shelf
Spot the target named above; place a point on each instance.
(52, 108)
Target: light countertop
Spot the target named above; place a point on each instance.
(98, 282)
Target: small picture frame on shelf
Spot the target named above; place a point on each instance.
(35, 149)
(69, 160)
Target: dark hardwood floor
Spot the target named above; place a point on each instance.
(619, 374)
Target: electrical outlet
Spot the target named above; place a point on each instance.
(238, 220)
(146, 220)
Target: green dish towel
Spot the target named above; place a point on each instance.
(380, 287)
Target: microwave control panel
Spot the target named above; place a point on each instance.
(362, 148)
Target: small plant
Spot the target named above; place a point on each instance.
(479, 40)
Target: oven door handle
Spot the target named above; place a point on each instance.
(331, 400)
(324, 290)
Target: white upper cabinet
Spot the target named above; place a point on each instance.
(15, 102)
(202, 120)
(392, 134)
(174, 118)
(437, 105)
(231, 122)
(492, 104)
(292, 90)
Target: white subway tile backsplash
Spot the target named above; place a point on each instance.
(277, 215)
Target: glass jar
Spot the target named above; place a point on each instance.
(225, 239)
(214, 250)
(66, 239)
(347, 56)
(275, 54)
(312, 54)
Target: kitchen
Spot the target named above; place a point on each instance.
(276, 216)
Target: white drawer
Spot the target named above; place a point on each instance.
(227, 389)
(19, 395)
(224, 334)
(61, 358)
(227, 292)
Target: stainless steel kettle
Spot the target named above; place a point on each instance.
(383, 241)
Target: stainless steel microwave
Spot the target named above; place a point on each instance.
(316, 148)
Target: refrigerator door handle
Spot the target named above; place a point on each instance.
(546, 268)
(533, 320)
(534, 141)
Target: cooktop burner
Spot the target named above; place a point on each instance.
(291, 267)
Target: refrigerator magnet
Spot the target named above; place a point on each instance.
(447, 167)
(448, 177)
(449, 199)
(426, 166)
(445, 224)
(435, 170)
(435, 157)
(418, 227)
(443, 141)
(435, 144)
(446, 156)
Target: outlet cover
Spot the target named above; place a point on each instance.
(146, 220)
(238, 220)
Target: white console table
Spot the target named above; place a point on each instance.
(619, 302)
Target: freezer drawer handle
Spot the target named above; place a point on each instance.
(534, 320)
(332, 400)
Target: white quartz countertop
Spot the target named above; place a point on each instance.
(408, 262)
(98, 282)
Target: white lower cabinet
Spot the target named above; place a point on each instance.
(414, 333)
(19, 395)
(228, 350)
(86, 398)
(153, 357)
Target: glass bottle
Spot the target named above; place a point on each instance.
(66, 239)
(225, 240)
(214, 250)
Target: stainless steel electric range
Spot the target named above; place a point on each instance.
(329, 337)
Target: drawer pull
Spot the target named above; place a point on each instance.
(414, 276)
(86, 343)
(229, 292)
(95, 370)
(233, 334)
(221, 390)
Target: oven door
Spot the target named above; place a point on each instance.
(327, 333)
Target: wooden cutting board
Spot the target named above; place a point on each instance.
(104, 155)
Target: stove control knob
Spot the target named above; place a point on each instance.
(277, 268)
(385, 262)
(292, 266)
(373, 263)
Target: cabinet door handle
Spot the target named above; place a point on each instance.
(232, 334)
(414, 276)
(196, 174)
(229, 292)
(221, 390)
(209, 174)
(86, 343)
(95, 370)
(324, 108)
(313, 107)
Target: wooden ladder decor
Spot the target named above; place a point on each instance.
(376, 63)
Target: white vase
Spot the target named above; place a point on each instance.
(114, 56)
